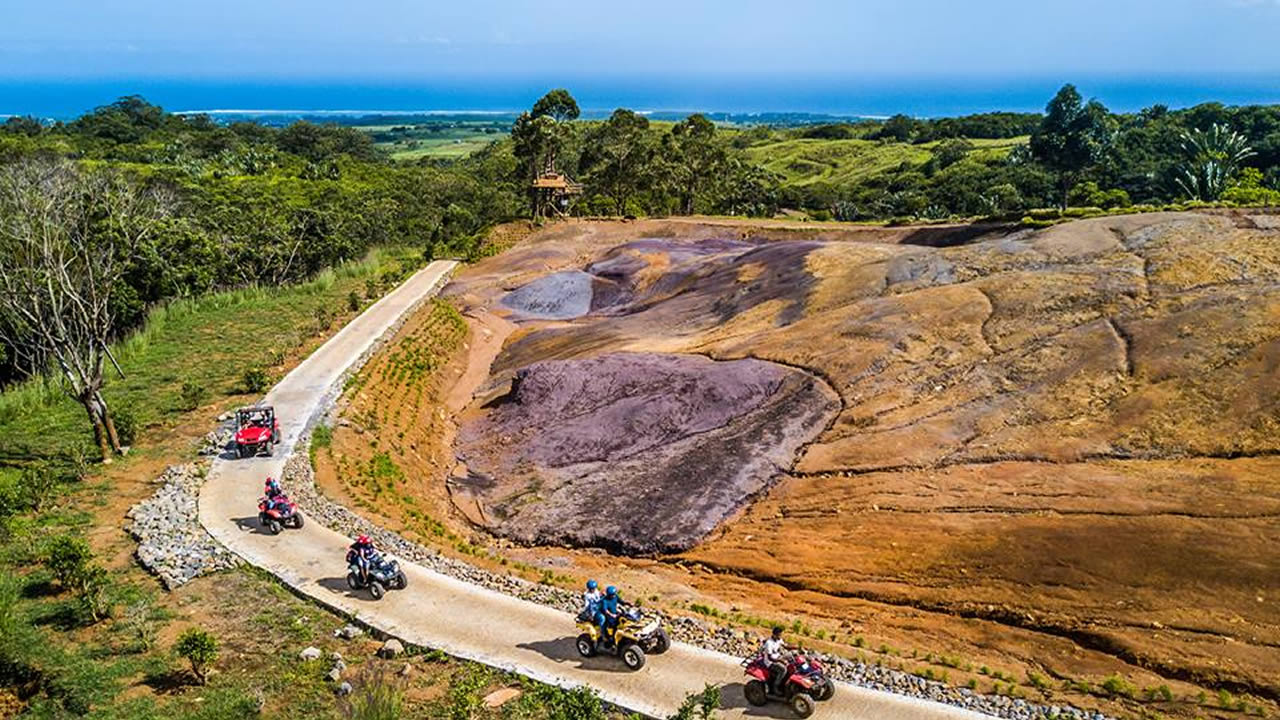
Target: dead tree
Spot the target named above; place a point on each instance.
(66, 236)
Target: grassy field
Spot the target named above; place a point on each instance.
(446, 141)
(804, 161)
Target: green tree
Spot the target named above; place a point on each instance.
(694, 158)
(200, 649)
(619, 159)
(1213, 158)
(557, 104)
(899, 127)
(1072, 138)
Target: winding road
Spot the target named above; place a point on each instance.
(438, 611)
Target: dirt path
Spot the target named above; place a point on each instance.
(441, 612)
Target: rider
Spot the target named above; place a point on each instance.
(361, 553)
(774, 651)
(608, 615)
(591, 601)
(273, 492)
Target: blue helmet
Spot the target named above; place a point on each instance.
(611, 591)
(592, 584)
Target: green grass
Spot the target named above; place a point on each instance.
(448, 141)
(805, 161)
(208, 342)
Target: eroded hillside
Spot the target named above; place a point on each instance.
(1068, 433)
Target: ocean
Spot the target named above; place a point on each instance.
(832, 94)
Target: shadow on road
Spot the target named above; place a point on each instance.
(564, 650)
(250, 524)
(733, 698)
(338, 586)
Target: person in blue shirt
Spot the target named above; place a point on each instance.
(608, 617)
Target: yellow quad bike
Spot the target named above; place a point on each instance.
(637, 635)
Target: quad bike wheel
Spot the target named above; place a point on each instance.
(353, 582)
(376, 590)
(586, 647)
(243, 450)
(756, 693)
(270, 447)
(661, 642)
(274, 526)
(400, 581)
(297, 520)
(825, 690)
(802, 705)
(633, 656)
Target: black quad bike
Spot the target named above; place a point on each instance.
(384, 574)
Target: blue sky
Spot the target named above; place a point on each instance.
(400, 39)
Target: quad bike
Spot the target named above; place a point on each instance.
(257, 429)
(384, 574)
(804, 686)
(284, 514)
(635, 636)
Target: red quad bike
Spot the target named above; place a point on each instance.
(256, 430)
(804, 685)
(284, 514)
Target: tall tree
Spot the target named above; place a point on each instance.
(619, 157)
(66, 236)
(557, 104)
(1072, 138)
(695, 158)
(539, 135)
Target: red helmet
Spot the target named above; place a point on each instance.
(363, 540)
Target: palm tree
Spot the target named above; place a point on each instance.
(1214, 156)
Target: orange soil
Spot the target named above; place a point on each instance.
(1061, 460)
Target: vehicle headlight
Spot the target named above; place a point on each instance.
(650, 628)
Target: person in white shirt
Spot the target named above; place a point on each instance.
(591, 600)
(774, 651)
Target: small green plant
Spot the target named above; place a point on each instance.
(137, 617)
(699, 706)
(200, 649)
(126, 424)
(1119, 687)
(1037, 681)
(192, 396)
(375, 696)
(371, 288)
(67, 557)
(353, 301)
(323, 320)
(254, 380)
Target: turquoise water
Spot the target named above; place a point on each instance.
(833, 94)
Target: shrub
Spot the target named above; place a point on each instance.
(323, 321)
(35, 486)
(126, 424)
(353, 301)
(255, 380)
(1118, 686)
(67, 557)
(193, 395)
(699, 706)
(92, 585)
(200, 649)
(375, 696)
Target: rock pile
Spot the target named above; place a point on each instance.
(171, 542)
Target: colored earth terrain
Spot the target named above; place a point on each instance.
(1052, 449)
